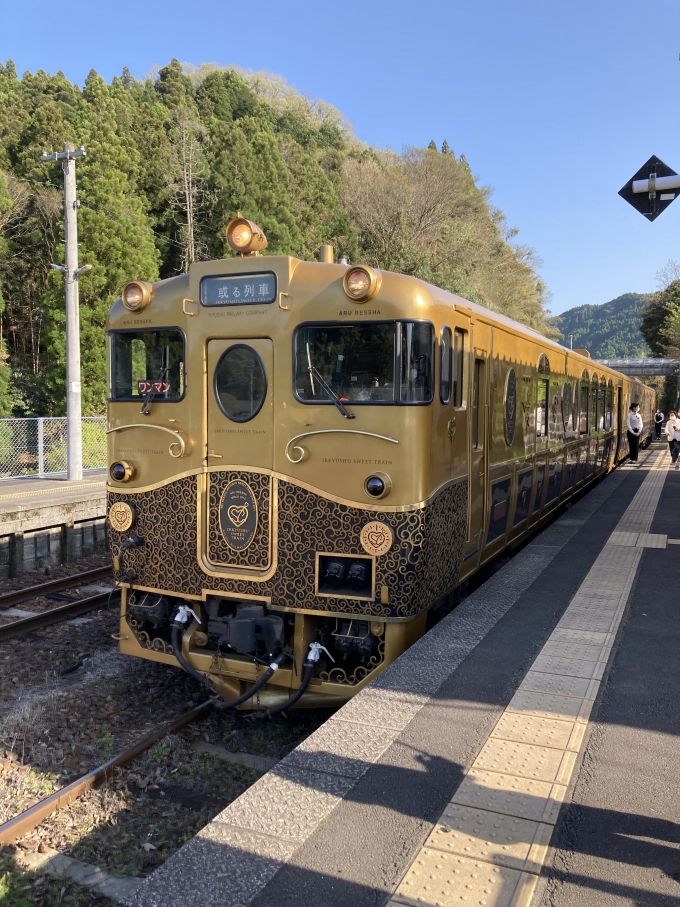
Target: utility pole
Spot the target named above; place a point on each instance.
(71, 271)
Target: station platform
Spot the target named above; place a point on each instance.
(48, 521)
(523, 752)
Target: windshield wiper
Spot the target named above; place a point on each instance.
(145, 411)
(315, 373)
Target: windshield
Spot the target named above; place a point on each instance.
(358, 363)
(145, 363)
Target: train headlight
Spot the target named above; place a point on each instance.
(245, 237)
(121, 471)
(378, 485)
(361, 283)
(137, 295)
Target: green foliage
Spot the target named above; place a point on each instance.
(169, 161)
(608, 331)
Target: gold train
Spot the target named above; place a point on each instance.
(307, 457)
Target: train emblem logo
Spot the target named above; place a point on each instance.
(121, 516)
(376, 538)
(238, 515)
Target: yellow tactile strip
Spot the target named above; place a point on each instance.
(42, 491)
(491, 841)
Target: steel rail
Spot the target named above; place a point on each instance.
(10, 599)
(20, 825)
(54, 615)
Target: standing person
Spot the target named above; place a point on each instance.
(634, 426)
(658, 422)
(673, 435)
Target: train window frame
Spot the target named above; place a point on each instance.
(223, 354)
(544, 384)
(445, 387)
(459, 360)
(396, 399)
(478, 386)
(609, 406)
(111, 357)
(594, 399)
(583, 386)
(567, 408)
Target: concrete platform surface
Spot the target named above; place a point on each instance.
(30, 504)
(443, 782)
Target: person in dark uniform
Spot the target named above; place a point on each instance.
(634, 426)
(658, 422)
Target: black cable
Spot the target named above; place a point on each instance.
(230, 703)
(306, 677)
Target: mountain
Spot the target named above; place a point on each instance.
(608, 331)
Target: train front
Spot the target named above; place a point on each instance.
(282, 502)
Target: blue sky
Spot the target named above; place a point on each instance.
(554, 104)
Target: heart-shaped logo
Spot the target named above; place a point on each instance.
(238, 515)
(376, 538)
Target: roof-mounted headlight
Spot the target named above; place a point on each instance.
(361, 283)
(245, 237)
(137, 295)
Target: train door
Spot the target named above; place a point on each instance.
(478, 441)
(240, 398)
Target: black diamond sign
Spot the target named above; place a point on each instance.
(650, 204)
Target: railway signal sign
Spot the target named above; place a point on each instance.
(652, 188)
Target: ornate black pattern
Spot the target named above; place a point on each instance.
(422, 565)
(257, 555)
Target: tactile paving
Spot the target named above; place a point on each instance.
(526, 760)
(562, 684)
(479, 834)
(442, 880)
(545, 705)
(563, 648)
(574, 667)
(505, 793)
(530, 729)
(651, 540)
(587, 636)
(627, 539)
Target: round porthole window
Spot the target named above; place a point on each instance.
(240, 383)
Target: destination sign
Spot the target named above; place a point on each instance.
(241, 289)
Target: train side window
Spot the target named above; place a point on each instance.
(583, 414)
(445, 364)
(601, 403)
(150, 361)
(542, 408)
(458, 367)
(566, 410)
(417, 362)
(610, 406)
(477, 403)
(593, 403)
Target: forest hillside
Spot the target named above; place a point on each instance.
(170, 159)
(607, 331)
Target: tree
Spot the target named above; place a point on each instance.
(188, 175)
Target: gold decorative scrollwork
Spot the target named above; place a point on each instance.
(292, 446)
(422, 565)
(179, 445)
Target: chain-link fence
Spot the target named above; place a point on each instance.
(37, 447)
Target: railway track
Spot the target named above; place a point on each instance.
(56, 615)
(20, 825)
(12, 599)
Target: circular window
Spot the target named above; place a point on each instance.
(240, 383)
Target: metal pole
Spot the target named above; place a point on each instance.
(74, 435)
(41, 448)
